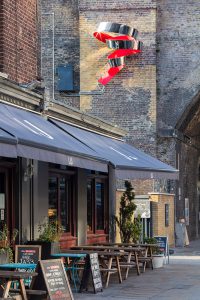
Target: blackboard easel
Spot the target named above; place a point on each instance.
(91, 268)
(27, 254)
(53, 279)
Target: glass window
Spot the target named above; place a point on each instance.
(53, 196)
(89, 206)
(64, 204)
(96, 205)
(60, 200)
(100, 205)
(166, 215)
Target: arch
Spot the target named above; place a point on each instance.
(190, 119)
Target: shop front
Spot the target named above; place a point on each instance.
(51, 169)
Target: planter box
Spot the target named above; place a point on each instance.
(4, 257)
(158, 261)
(48, 248)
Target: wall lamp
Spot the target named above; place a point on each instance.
(28, 172)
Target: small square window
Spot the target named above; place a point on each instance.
(166, 215)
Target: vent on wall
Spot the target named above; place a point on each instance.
(65, 78)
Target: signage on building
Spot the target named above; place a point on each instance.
(143, 207)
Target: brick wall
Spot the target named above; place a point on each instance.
(18, 56)
(129, 99)
(153, 90)
(178, 68)
(66, 45)
(158, 216)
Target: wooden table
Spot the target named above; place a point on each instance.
(106, 259)
(148, 255)
(9, 276)
(125, 251)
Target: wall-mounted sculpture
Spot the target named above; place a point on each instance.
(123, 40)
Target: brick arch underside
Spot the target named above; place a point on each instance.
(189, 154)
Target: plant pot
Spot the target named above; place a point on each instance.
(48, 248)
(158, 261)
(4, 257)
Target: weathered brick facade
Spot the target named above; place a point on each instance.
(178, 36)
(159, 227)
(156, 90)
(60, 45)
(152, 92)
(129, 99)
(18, 36)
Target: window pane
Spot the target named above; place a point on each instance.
(64, 204)
(100, 205)
(53, 197)
(89, 206)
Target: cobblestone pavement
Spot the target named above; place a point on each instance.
(180, 280)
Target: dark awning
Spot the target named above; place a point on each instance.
(8, 143)
(129, 163)
(39, 139)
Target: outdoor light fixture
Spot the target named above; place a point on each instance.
(124, 43)
(28, 172)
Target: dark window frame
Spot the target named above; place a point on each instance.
(69, 176)
(94, 180)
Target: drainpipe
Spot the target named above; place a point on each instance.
(53, 51)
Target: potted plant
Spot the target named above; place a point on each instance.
(158, 254)
(49, 235)
(130, 228)
(6, 244)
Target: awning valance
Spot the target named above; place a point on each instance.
(128, 162)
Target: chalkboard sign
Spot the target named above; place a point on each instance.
(163, 244)
(26, 254)
(52, 278)
(91, 269)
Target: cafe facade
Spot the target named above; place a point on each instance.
(59, 163)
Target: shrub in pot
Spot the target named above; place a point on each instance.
(49, 234)
(130, 228)
(158, 255)
(7, 241)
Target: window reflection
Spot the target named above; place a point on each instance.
(89, 206)
(59, 200)
(95, 205)
(100, 205)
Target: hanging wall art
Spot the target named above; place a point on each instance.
(123, 40)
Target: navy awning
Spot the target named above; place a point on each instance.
(129, 163)
(8, 144)
(35, 138)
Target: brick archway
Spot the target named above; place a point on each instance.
(188, 149)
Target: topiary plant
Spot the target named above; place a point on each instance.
(130, 229)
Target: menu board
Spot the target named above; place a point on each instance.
(163, 244)
(52, 278)
(92, 268)
(26, 254)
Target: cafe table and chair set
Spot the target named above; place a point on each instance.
(113, 258)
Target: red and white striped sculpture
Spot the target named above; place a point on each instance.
(123, 41)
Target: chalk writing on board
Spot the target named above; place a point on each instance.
(26, 254)
(92, 268)
(52, 277)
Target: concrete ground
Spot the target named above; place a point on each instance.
(180, 280)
